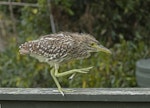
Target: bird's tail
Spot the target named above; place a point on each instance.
(25, 48)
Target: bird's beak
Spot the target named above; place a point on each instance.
(103, 49)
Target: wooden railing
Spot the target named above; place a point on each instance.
(79, 98)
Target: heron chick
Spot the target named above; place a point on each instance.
(58, 48)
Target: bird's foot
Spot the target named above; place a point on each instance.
(59, 90)
(82, 70)
(63, 90)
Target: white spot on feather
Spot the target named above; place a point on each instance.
(60, 34)
(49, 38)
(30, 45)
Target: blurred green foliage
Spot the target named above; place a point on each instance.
(121, 25)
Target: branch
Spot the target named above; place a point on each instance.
(18, 4)
(51, 17)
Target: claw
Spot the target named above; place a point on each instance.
(72, 76)
(87, 68)
(84, 70)
(61, 93)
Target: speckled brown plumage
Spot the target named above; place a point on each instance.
(58, 47)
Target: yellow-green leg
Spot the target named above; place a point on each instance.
(56, 81)
(54, 74)
(83, 70)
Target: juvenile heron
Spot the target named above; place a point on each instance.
(58, 48)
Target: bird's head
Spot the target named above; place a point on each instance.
(93, 45)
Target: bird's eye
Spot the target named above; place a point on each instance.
(92, 44)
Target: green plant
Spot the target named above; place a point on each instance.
(123, 25)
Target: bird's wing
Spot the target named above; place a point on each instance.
(49, 46)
